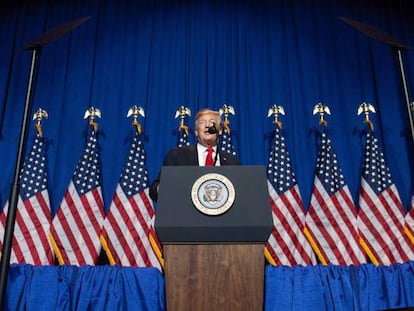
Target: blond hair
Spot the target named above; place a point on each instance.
(206, 111)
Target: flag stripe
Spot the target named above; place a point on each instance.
(331, 222)
(152, 236)
(64, 236)
(87, 226)
(30, 241)
(329, 231)
(119, 219)
(143, 236)
(284, 253)
(381, 214)
(346, 210)
(287, 244)
(42, 216)
(23, 234)
(409, 222)
(128, 231)
(61, 232)
(282, 229)
(76, 227)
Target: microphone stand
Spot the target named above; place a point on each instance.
(213, 130)
(397, 47)
(409, 105)
(36, 47)
(216, 156)
(14, 193)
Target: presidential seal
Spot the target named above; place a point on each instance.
(213, 194)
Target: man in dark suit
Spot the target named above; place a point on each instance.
(208, 127)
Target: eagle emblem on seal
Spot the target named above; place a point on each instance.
(212, 193)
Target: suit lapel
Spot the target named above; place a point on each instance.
(194, 155)
(223, 159)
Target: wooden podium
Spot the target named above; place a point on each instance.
(213, 262)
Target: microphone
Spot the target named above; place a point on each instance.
(212, 129)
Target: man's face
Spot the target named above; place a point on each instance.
(202, 125)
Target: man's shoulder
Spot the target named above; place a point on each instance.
(186, 155)
(229, 158)
(178, 152)
(182, 149)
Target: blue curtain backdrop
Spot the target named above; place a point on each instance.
(249, 54)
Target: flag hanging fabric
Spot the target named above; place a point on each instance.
(77, 224)
(182, 137)
(31, 244)
(409, 222)
(128, 235)
(331, 221)
(381, 213)
(287, 245)
(226, 143)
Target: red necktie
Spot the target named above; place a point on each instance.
(209, 157)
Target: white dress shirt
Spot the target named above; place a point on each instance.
(202, 154)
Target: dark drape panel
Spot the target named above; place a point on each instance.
(249, 54)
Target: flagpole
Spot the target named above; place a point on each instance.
(36, 47)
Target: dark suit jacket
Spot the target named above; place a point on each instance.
(187, 155)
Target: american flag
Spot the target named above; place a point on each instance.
(381, 213)
(409, 222)
(77, 224)
(33, 217)
(182, 138)
(128, 237)
(226, 143)
(331, 222)
(287, 245)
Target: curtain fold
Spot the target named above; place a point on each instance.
(364, 287)
(161, 55)
(84, 288)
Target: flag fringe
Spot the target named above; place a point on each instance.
(156, 249)
(58, 254)
(314, 246)
(107, 250)
(408, 233)
(368, 252)
(269, 257)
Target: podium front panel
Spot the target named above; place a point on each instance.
(249, 219)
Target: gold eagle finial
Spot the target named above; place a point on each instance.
(135, 111)
(226, 110)
(39, 115)
(366, 108)
(322, 110)
(182, 112)
(93, 113)
(275, 111)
